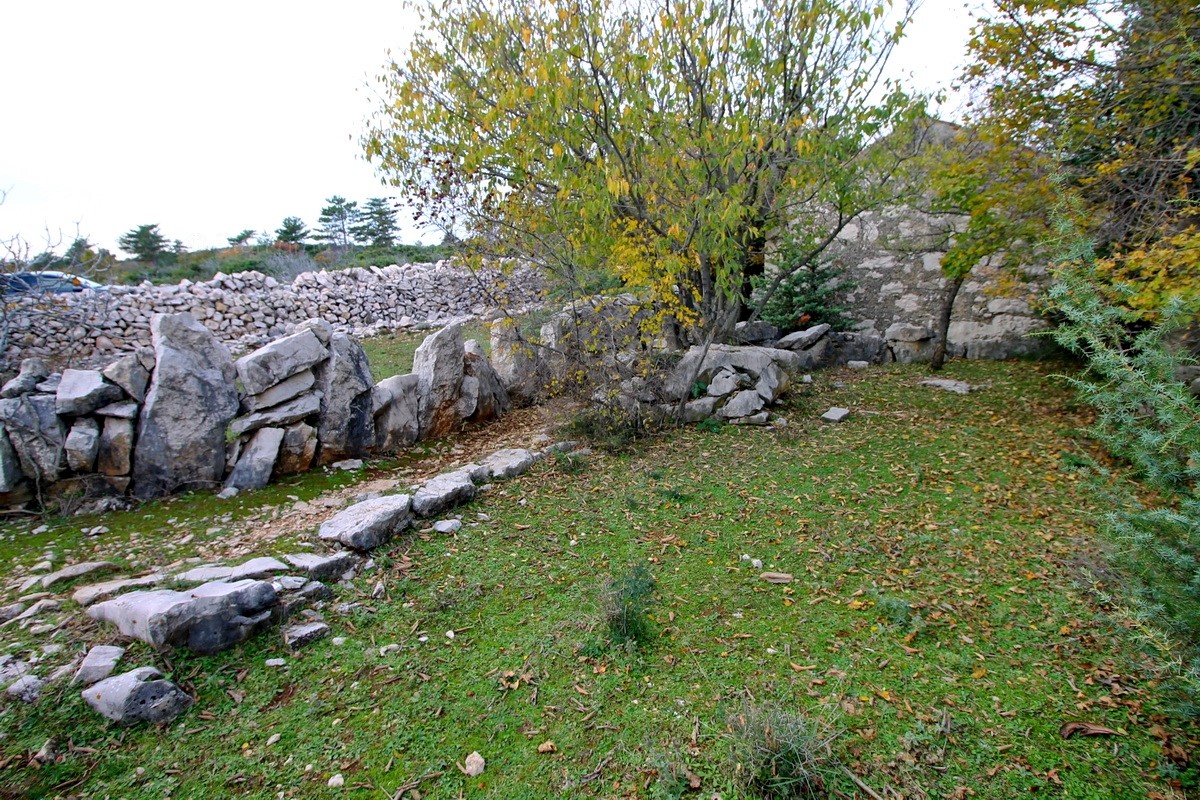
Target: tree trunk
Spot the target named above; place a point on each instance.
(943, 332)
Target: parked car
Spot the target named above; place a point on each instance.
(45, 282)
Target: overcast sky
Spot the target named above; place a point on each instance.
(208, 118)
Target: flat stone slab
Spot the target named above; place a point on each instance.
(204, 574)
(948, 385)
(366, 525)
(27, 689)
(86, 595)
(261, 567)
(508, 463)
(858, 364)
(76, 571)
(442, 493)
(802, 340)
(835, 414)
(140, 695)
(319, 567)
(297, 636)
(208, 618)
(98, 664)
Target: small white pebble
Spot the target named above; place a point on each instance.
(574, 542)
(276, 662)
(422, 638)
(337, 781)
(771, 651)
(745, 557)
(757, 563)
(338, 640)
(449, 634)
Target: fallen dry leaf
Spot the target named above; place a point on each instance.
(776, 577)
(547, 747)
(1069, 729)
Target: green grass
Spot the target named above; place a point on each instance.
(937, 620)
(393, 354)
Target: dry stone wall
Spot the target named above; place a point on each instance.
(894, 258)
(246, 309)
(183, 414)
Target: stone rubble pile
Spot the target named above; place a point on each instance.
(208, 608)
(249, 308)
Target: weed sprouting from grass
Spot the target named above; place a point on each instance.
(615, 429)
(570, 463)
(779, 754)
(674, 495)
(897, 611)
(625, 602)
(672, 781)
(711, 425)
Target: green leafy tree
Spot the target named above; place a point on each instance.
(292, 231)
(241, 239)
(377, 224)
(145, 243)
(663, 143)
(338, 221)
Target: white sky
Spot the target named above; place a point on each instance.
(211, 117)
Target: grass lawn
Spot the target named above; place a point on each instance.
(940, 626)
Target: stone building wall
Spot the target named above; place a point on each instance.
(894, 256)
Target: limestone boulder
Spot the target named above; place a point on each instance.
(489, 399)
(397, 419)
(442, 493)
(515, 362)
(140, 695)
(742, 404)
(281, 392)
(756, 332)
(36, 434)
(82, 444)
(279, 360)
(508, 463)
(82, 391)
(98, 664)
(751, 361)
(298, 449)
(209, 618)
(257, 460)
(33, 371)
(190, 402)
(294, 410)
(115, 454)
(346, 427)
(367, 525)
(10, 466)
(129, 373)
(438, 365)
(805, 339)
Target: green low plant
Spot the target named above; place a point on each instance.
(780, 754)
(625, 602)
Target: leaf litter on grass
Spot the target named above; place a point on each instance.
(932, 613)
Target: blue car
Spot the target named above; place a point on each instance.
(45, 283)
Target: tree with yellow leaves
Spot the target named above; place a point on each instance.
(663, 142)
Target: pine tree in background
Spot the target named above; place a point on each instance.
(145, 243)
(337, 221)
(241, 239)
(292, 231)
(377, 226)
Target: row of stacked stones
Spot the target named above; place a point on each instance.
(249, 308)
(184, 415)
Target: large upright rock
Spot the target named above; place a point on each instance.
(397, 422)
(10, 466)
(438, 364)
(253, 470)
(515, 362)
(116, 447)
(36, 435)
(298, 450)
(346, 426)
(281, 359)
(181, 438)
(488, 399)
(83, 442)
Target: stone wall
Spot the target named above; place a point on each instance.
(894, 257)
(246, 309)
(183, 414)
